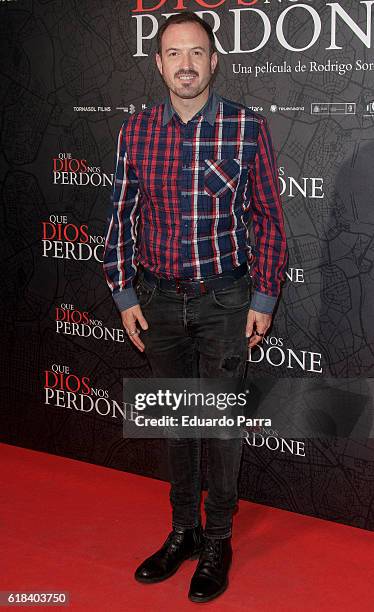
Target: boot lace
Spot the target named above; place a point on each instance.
(211, 551)
(173, 542)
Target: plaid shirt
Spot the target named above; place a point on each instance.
(184, 195)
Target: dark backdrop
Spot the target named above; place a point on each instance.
(71, 72)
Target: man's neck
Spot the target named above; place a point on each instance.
(188, 107)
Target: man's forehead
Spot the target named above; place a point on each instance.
(178, 36)
(178, 46)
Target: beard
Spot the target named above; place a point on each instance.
(187, 90)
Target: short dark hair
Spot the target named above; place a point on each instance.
(186, 17)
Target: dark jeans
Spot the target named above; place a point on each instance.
(190, 337)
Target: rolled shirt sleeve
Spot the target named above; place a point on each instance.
(270, 249)
(121, 231)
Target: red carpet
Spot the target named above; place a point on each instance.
(77, 527)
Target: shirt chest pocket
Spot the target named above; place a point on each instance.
(221, 176)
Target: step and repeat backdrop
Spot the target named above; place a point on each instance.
(72, 72)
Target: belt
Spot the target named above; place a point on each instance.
(193, 286)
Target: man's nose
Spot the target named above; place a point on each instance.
(186, 62)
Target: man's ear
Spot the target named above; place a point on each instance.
(159, 62)
(213, 61)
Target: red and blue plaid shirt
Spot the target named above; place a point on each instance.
(184, 196)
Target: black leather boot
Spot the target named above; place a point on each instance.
(211, 575)
(181, 544)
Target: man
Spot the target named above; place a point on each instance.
(191, 174)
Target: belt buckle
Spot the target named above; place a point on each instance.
(189, 289)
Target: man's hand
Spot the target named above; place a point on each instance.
(130, 318)
(257, 322)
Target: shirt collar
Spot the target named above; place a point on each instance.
(209, 110)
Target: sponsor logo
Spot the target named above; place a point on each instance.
(333, 108)
(92, 109)
(369, 109)
(274, 108)
(128, 109)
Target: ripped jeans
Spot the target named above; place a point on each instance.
(199, 336)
